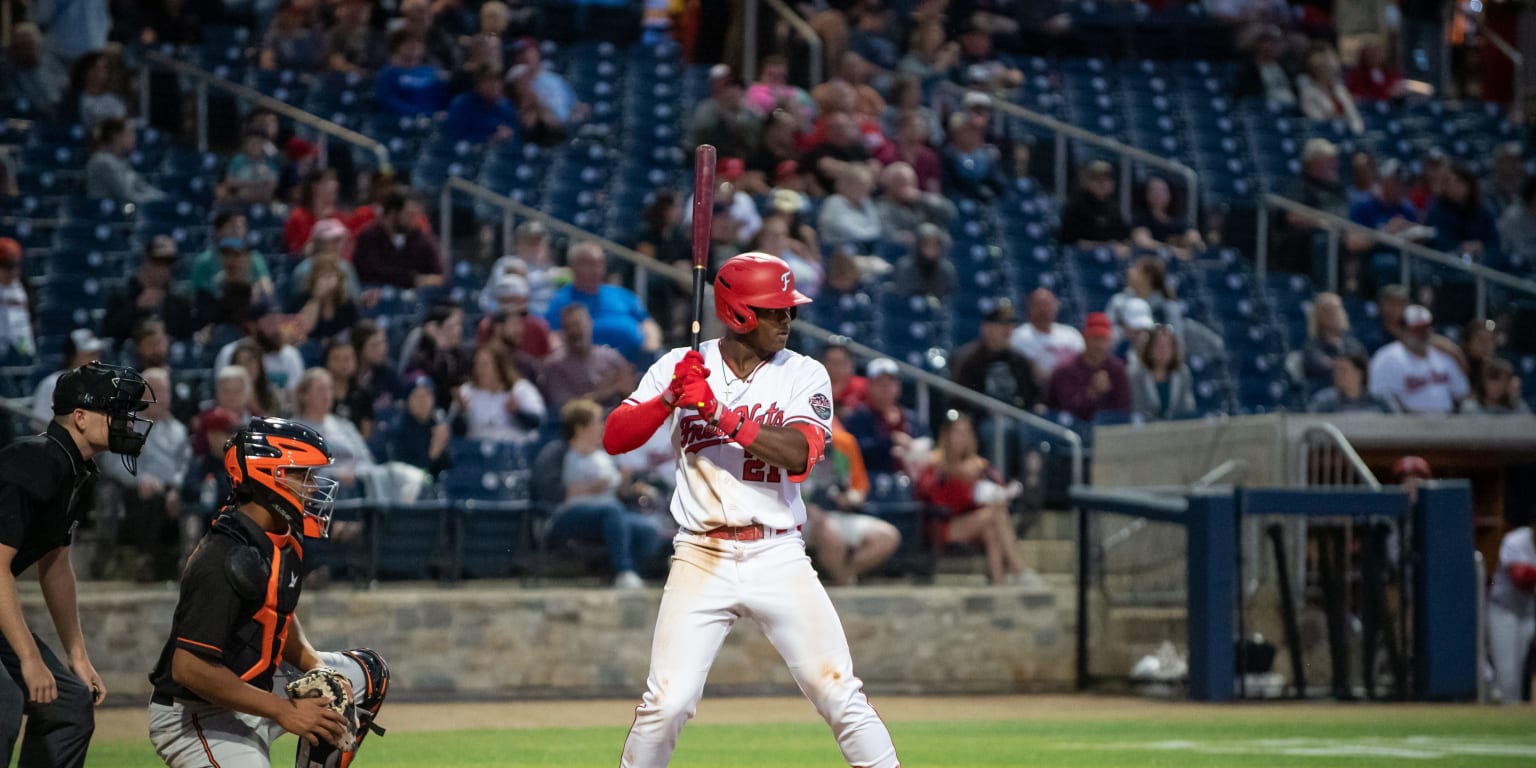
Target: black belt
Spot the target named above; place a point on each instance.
(161, 699)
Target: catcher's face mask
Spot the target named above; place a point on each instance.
(316, 495)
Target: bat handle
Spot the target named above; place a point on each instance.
(698, 306)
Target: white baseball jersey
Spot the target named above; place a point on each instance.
(718, 482)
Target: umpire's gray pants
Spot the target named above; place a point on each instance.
(190, 734)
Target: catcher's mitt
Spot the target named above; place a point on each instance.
(324, 681)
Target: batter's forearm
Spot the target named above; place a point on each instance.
(783, 447)
(632, 424)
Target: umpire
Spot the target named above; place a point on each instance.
(45, 491)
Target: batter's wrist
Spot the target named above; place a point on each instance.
(739, 429)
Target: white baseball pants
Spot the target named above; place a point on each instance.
(189, 734)
(713, 583)
(1509, 639)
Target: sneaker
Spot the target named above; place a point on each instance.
(1025, 578)
(628, 580)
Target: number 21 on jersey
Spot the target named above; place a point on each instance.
(755, 470)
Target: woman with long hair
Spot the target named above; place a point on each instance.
(353, 403)
(1147, 278)
(265, 400)
(375, 373)
(327, 309)
(497, 403)
(318, 199)
(1461, 222)
(1328, 338)
(1162, 386)
(1497, 390)
(1322, 92)
(971, 502)
(91, 98)
(1155, 223)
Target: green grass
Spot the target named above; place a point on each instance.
(1243, 737)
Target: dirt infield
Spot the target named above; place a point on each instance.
(125, 724)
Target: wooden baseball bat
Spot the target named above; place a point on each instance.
(703, 215)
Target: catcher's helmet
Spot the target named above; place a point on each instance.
(754, 280)
(259, 459)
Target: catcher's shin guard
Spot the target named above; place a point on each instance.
(367, 699)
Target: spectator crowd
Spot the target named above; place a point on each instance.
(858, 181)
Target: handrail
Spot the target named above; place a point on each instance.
(1064, 131)
(798, 25)
(1338, 225)
(1331, 434)
(645, 264)
(204, 79)
(512, 209)
(997, 407)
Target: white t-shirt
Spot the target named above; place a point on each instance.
(585, 467)
(1047, 350)
(718, 483)
(15, 320)
(1517, 547)
(1430, 384)
(743, 210)
(42, 401)
(284, 367)
(486, 417)
(541, 284)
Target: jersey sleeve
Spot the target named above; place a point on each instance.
(208, 609)
(657, 378)
(810, 399)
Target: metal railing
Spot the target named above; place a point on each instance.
(1064, 132)
(645, 266)
(1325, 457)
(512, 210)
(753, 15)
(1408, 251)
(202, 80)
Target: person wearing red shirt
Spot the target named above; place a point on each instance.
(848, 389)
(969, 502)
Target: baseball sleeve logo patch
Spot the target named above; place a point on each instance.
(821, 405)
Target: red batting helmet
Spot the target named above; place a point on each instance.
(753, 280)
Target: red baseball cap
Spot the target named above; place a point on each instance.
(1412, 466)
(1097, 325)
(730, 168)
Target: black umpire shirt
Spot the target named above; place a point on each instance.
(238, 593)
(45, 491)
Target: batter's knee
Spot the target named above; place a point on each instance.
(670, 709)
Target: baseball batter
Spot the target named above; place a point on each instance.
(751, 419)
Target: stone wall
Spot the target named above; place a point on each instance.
(503, 641)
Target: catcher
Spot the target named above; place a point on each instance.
(234, 631)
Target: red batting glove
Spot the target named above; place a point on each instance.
(690, 368)
(695, 394)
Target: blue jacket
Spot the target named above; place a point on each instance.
(471, 119)
(410, 92)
